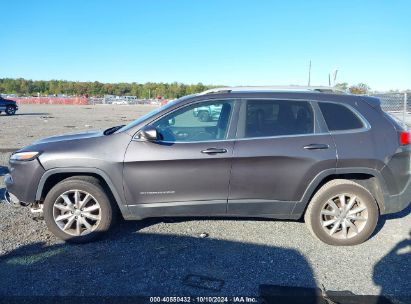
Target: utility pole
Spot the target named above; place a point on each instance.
(335, 72)
(309, 74)
(404, 111)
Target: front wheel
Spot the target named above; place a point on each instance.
(342, 213)
(10, 110)
(78, 210)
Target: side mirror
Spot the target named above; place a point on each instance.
(148, 133)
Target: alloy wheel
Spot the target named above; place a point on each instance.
(344, 216)
(76, 212)
(10, 110)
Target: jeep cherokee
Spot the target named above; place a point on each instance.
(336, 160)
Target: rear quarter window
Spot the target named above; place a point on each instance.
(339, 117)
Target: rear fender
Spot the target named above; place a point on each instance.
(325, 175)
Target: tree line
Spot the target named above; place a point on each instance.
(24, 87)
(360, 88)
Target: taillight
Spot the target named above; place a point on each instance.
(405, 138)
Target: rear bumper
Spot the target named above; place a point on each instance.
(398, 202)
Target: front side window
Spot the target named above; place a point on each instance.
(198, 122)
(339, 117)
(265, 118)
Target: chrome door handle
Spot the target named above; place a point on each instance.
(213, 151)
(316, 147)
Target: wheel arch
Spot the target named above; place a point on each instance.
(370, 179)
(53, 176)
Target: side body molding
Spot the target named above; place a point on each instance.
(118, 196)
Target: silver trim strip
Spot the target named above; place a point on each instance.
(235, 139)
(366, 124)
(178, 203)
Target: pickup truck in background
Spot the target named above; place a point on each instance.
(209, 113)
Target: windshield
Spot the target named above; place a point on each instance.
(151, 114)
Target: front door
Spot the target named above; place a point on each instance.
(186, 171)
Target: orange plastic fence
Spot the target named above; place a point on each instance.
(52, 100)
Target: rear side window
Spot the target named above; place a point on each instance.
(265, 118)
(339, 117)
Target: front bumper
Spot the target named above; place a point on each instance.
(10, 199)
(23, 179)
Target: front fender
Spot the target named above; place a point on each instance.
(118, 195)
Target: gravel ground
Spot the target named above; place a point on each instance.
(37, 121)
(160, 256)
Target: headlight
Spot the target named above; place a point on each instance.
(24, 156)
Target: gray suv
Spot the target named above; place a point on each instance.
(336, 160)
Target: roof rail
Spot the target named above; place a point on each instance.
(312, 89)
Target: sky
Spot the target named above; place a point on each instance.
(219, 42)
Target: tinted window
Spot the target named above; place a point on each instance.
(275, 118)
(339, 117)
(198, 122)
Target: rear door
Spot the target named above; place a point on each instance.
(187, 171)
(280, 148)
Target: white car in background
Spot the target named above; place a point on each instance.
(120, 102)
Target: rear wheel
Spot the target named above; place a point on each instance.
(10, 110)
(78, 210)
(342, 213)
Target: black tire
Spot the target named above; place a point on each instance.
(204, 116)
(107, 211)
(10, 110)
(313, 217)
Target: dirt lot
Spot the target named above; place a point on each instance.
(36, 121)
(161, 256)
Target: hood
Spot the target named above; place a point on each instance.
(70, 136)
